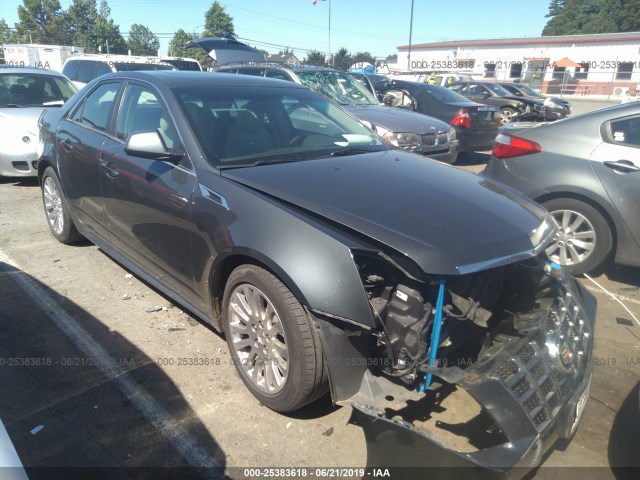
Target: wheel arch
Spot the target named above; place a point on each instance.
(222, 267)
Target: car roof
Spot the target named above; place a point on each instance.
(34, 70)
(177, 78)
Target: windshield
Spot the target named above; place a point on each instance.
(338, 86)
(34, 90)
(247, 126)
(132, 66)
(500, 90)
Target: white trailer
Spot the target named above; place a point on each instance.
(38, 56)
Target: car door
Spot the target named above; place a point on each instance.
(147, 201)
(79, 140)
(616, 162)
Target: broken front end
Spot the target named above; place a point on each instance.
(486, 369)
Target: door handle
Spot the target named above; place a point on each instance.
(626, 166)
(108, 168)
(67, 145)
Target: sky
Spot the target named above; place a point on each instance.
(374, 26)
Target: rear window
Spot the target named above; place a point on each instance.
(133, 66)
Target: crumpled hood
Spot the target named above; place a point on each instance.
(20, 120)
(446, 220)
(398, 120)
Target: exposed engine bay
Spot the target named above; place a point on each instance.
(474, 363)
(478, 311)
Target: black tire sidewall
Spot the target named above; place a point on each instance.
(286, 399)
(604, 237)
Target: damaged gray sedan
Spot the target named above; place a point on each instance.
(414, 292)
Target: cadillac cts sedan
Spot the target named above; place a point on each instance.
(330, 261)
(24, 93)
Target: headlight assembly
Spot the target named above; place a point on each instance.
(403, 140)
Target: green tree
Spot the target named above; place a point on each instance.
(574, 17)
(142, 41)
(218, 23)
(42, 21)
(107, 33)
(315, 58)
(342, 60)
(5, 32)
(363, 57)
(393, 58)
(176, 48)
(80, 18)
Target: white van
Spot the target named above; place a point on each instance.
(81, 69)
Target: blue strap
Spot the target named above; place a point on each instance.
(435, 335)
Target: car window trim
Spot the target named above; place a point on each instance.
(607, 134)
(83, 102)
(120, 99)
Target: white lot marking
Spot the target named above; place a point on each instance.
(181, 440)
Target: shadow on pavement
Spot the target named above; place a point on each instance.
(624, 446)
(624, 274)
(19, 181)
(473, 158)
(70, 416)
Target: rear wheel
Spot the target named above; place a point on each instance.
(56, 208)
(584, 239)
(507, 115)
(273, 341)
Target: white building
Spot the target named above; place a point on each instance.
(602, 64)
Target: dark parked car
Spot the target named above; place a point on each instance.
(511, 107)
(327, 258)
(407, 130)
(555, 107)
(476, 124)
(586, 171)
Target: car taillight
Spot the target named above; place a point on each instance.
(507, 146)
(462, 119)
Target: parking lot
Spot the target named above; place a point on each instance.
(100, 370)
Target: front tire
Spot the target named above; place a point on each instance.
(56, 209)
(274, 343)
(584, 239)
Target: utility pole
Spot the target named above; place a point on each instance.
(410, 35)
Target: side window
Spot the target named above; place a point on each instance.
(256, 72)
(142, 111)
(280, 75)
(461, 88)
(102, 68)
(95, 111)
(626, 131)
(70, 70)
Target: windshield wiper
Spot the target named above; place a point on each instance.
(350, 151)
(12, 105)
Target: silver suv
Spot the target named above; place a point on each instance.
(410, 131)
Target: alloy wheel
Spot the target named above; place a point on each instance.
(53, 205)
(258, 338)
(575, 240)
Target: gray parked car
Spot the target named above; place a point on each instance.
(419, 293)
(586, 171)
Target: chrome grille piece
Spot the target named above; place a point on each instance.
(542, 373)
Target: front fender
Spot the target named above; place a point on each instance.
(311, 257)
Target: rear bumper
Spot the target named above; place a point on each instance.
(473, 140)
(530, 390)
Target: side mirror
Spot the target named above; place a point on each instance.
(150, 145)
(486, 95)
(387, 99)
